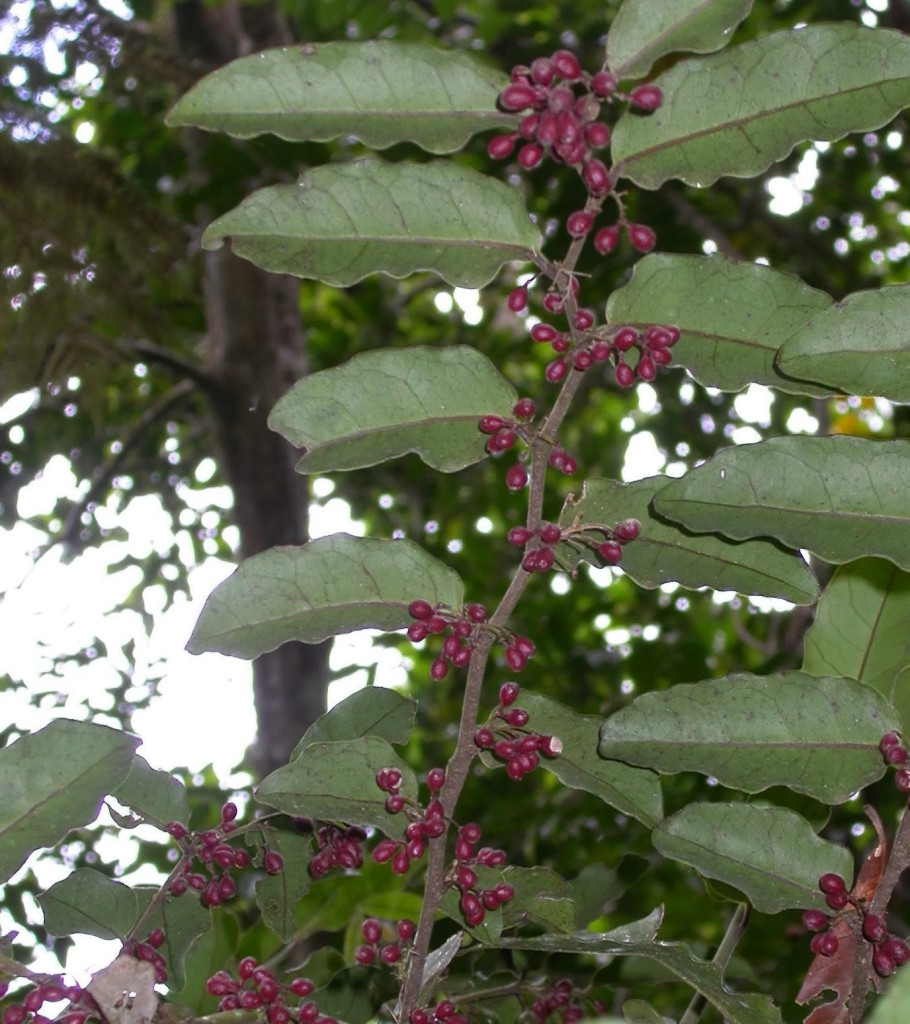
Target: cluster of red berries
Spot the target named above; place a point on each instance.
(257, 988)
(541, 557)
(147, 950)
(889, 953)
(508, 739)
(474, 902)
(336, 848)
(896, 754)
(28, 1009)
(559, 1000)
(503, 435)
(607, 542)
(607, 345)
(388, 953)
(217, 856)
(565, 104)
(427, 824)
(443, 1012)
(463, 629)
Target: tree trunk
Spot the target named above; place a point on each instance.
(256, 351)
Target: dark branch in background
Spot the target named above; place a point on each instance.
(689, 214)
(164, 357)
(107, 470)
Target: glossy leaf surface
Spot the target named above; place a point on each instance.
(817, 736)
(630, 790)
(738, 111)
(54, 780)
(860, 345)
(732, 316)
(770, 854)
(381, 91)
(337, 782)
(384, 404)
(156, 796)
(663, 552)
(644, 30)
(341, 222)
(839, 497)
(329, 586)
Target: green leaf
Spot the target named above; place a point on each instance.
(332, 585)
(375, 710)
(630, 790)
(53, 781)
(541, 896)
(277, 895)
(341, 222)
(645, 30)
(860, 627)
(664, 552)
(183, 921)
(859, 345)
(381, 91)
(817, 736)
(839, 497)
(87, 902)
(337, 782)
(894, 1006)
(704, 977)
(384, 404)
(156, 796)
(732, 316)
(738, 111)
(770, 854)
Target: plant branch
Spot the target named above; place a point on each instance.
(721, 959)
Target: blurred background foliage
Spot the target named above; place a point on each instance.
(103, 325)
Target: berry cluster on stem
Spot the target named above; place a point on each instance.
(506, 737)
(257, 988)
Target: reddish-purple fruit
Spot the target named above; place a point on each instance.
(610, 551)
(401, 862)
(508, 693)
(364, 955)
(873, 927)
(550, 533)
(882, 963)
(898, 950)
(517, 97)
(421, 609)
(524, 408)
(486, 425)
(583, 319)
(273, 862)
(646, 369)
(596, 176)
(902, 780)
(416, 632)
(405, 929)
(484, 739)
(641, 236)
(890, 739)
(176, 830)
(439, 669)
(646, 97)
(566, 65)
(815, 921)
(603, 84)
(394, 804)
(597, 135)
(556, 370)
(517, 300)
(579, 223)
(837, 900)
(517, 717)
(831, 883)
(896, 754)
(625, 338)
(529, 156)
(516, 477)
(543, 333)
(390, 954)
(625, 375)
(371, 930)
(824, 944)
(476, 612)
(518, 536)
(436, 778)
(606, 239)
(627, 530)
(582, 360)
(553, 302)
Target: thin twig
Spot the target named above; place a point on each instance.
(721, 959)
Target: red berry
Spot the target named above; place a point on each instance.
(473, 912)
(896, 754)
(582, 360)
(898, 950)
(529, 156)
(416, 632)
(606, 239)
(566, 65)
(439, 669)
(603, 84)
(508, 693)
(625, 338)
(420, 609)
(486, 425)
(902, 780)
(596, 177)
(273, 862)
(641, 236)
(436, 778)
(579, 223)
(610, 551)
(890, 739)
(873, 927)
(516, 477)
(517, 717)
(553, 302)
(837, 900)
(645, 368)
(371, 930)
(517, 97)
(401, 862)
(542, 71)
(597, 134)
(476, 612)
(583, 319)
(156, 938)
(815, 920)
(831, 883)
(364, 955)
(550, 533)
(524, 408)
(176, 830)
(627, 530)
(484, 739)
(518, 299)
(556, 370)
(882, 963)
(543, 333)
(824, 944)
(518, 536)
(625, 375)
(646, 97)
